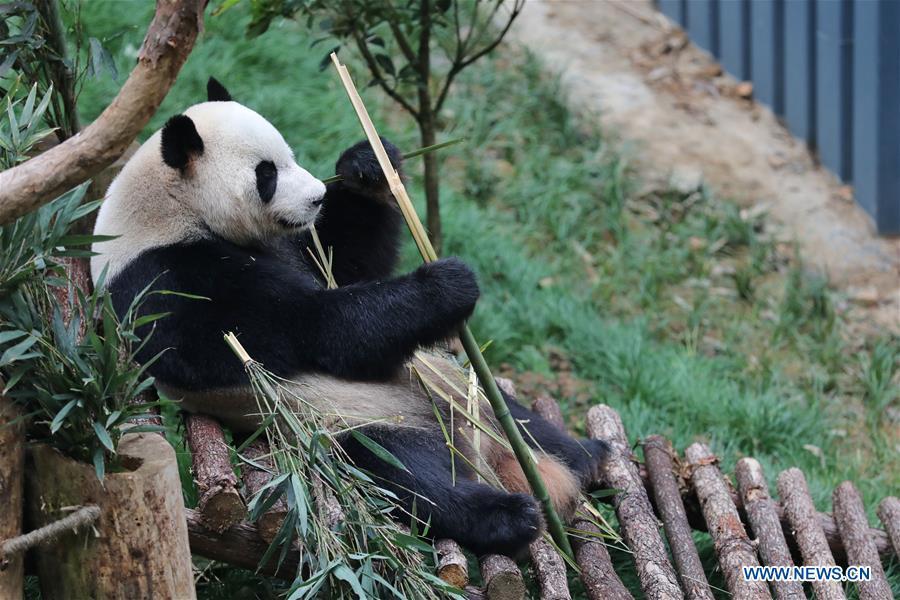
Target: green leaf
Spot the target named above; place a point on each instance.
(378, 450)
(99, 464)
(18, 352)
(344, 573)
(61, 415)
(103, 436)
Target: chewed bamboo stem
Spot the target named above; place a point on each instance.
(473, 351)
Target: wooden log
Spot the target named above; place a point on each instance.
(807, 530)
(850, 515)
(255, 479)
(597, 573)
(549, 570)
(452, 566)
(889, 513)
(763, 517)
(12, 470)
(639, 526)
(502, 578)
(733, 547)
(826, 521)
(547, 406)
(138, 548)
(240, 545)
(507, 385)
(220, 503)
(658, 454)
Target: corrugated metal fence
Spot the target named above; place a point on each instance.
(830, 68)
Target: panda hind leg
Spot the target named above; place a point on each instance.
(484, 519)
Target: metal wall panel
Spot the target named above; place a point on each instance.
(767, 52)
(800, 68)
(702, 24)
(734, 40)
(834, 30)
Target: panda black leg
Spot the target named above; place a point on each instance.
(584, 457)
(484, 519)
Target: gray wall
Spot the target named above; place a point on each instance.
(829, 68)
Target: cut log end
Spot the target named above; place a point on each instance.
(452, 567)
(502, 578)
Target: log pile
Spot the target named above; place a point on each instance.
(665, 497)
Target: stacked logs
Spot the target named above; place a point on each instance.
(665, 495)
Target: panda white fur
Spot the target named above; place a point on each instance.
(215, 205)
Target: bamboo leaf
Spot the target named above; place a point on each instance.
(378, 450)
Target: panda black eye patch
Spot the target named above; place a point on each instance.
(266, 180)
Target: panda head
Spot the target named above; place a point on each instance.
(234, 171)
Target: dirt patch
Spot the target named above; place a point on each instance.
(685, 122)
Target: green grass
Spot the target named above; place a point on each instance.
(678, 310)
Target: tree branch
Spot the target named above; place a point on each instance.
(376, 71)
(170, 38)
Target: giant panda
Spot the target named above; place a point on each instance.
(214, 205)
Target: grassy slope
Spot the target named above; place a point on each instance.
(675, 310)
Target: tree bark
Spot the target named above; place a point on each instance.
(889, 513)
(254, 480)
(639, 526)
(170, 38)
(549, 570)
(452, 566)
(432, 182)
(502, 578)
(547, 406)
(732, 545)
(139, 546)
(850, 515)
(220, 503)
(661, 470)
(240, 545)
(12, 469)
(597, 573)
(807, 529)
(763, 517)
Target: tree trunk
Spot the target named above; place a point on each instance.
(12, 467)
(432, 183)
(139, 546)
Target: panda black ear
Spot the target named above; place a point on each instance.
(216, 92)
(180, 142)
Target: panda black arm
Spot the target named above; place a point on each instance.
(359, 218)
(284, 318)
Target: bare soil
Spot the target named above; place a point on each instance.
(683, 122)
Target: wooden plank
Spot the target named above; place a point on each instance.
(807, 530)
(702, 24)
(799, 68)
(658, 453)
(833, 85)
(767, 52)
(732, 545)
(734, 39)
(876, 120)
(639, 526)
(850, 514)
(762, 514)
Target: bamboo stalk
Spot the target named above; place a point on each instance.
(658, 456)
(473, 351)
(807, 530)
(889, 513)
(732, 545)
(639, 526)
(850, 515)
(763, 516)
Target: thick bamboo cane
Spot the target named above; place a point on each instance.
(491, 391)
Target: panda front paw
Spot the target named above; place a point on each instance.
(452, 286)
(359, 169)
